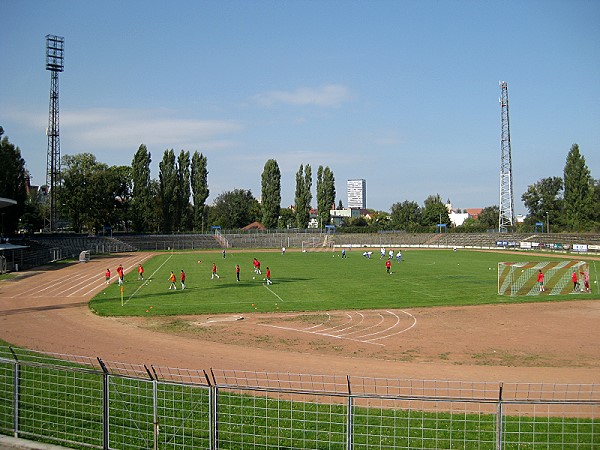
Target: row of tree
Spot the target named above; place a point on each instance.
(570, 202)
(93, 195)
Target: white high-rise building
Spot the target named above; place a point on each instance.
(357, 193)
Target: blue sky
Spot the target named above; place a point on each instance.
(401, 93)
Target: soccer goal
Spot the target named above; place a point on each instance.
(521, 278)
(319, 244)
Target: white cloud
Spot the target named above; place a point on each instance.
(330, 95)
(117, 128)
(110, 129)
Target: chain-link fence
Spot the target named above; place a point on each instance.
(84, 402)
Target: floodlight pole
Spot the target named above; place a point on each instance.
(506, 216)
(55, 46)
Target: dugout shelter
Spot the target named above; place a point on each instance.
(7, 250)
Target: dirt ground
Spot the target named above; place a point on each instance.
(555, 342)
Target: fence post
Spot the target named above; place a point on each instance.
(214, 418)
(105, 404)
(349, 417)
(16, 393)
(499, 419)
(213, 414)
(155, 423)
(155, 411)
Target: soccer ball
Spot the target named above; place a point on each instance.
(253, 278)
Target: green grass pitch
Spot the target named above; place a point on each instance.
(312, 281)
(66, 405)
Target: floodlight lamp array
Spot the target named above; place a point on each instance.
(55, 47)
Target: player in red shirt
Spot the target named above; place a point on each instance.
(121, 274)
(256, 263)
(182, 277)
(586, 281)
(540, 279)
(388, 266)
(268, 276)
(214, 272)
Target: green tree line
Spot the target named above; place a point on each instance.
(93, 195)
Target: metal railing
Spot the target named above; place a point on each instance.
(84, 402)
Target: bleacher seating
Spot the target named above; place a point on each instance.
(269, 240)
(403, 239)
(35, 254)
(43, 249)
(156, 242)
(73, 244)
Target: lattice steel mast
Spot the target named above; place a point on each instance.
(55, 46)
(506, 219)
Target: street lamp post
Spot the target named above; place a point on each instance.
(547, 222)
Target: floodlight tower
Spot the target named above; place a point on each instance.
(506, 219)
(55, 46)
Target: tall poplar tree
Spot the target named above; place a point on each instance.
(307, 191)
(329, 190)
(141, 203)
(303, 195)
(167, 176)
(321, 216)
(183, 214)
(325, 194)
(299, 195)
(578, 194)
(199, 181)
(330, 184)
(156, 219)
(271, 194)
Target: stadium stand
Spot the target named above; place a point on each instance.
(43, 249)
(72, 245)
(157, 242)
(555, 242)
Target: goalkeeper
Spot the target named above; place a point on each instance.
(575, 281)
(540, 279)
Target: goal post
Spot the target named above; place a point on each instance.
(319, 244)
(521, 278)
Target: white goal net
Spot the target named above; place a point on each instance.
(319, 244)
(521, 278)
